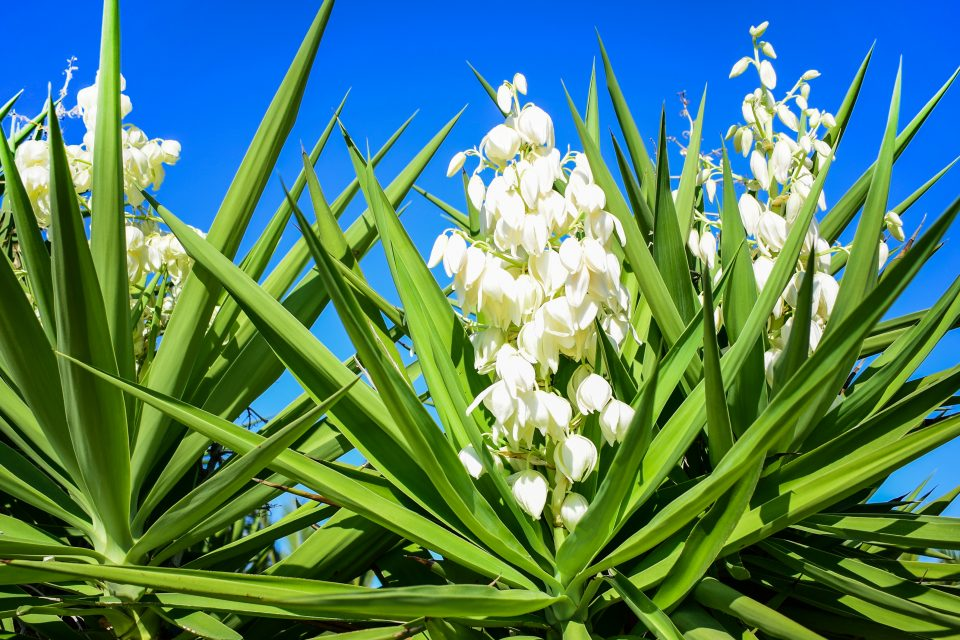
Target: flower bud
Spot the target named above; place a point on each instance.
(758, 165)
(760, 29)
(780, 161)
(572, 510)
(768, 50)
(615, 420)
(767, 75)
(530, 491)
(708, 249)
(171, 151)
(505, 98)
(750, 210)
(894, 225)
(593, 393)
(501, 144)
(471, 461)
(772, 230)
(520, 83)
(535, 126)
(456, 163)
(454, 253)
(740, 66)
(575, 457)
(810, 75)
(437, 252)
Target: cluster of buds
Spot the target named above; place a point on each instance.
(534, 285)
(150, 250)
(786, 142)
(143, 159)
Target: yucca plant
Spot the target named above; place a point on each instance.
(609, 431)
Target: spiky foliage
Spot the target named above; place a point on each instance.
(130, 508)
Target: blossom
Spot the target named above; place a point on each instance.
(471, 461)
(615, 419)
(572, 510)
(530, 491)
(576, 457)
(593, 394)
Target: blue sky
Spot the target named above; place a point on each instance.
(203, 72)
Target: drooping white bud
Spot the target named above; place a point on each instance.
(810, 75)
(708, 249)
(781, 160)
(894, 225)
(767, 75)
(456, 163)
(575, 457)
(593, 393)
(758, 165)
(501, 144)
(505, 98)
(520, 83)
(572, 510)
(471, 461)
(437, 253)
(760, 29)
(768, 50)
(740, 66)
(530, 491)
(615, 420)
(750, 210)
(535, 126)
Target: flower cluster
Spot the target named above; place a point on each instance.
(150, 250)
(786, 141)
(534, 285)
(143, 158)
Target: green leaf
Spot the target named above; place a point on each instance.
(212, 493)
(191, 316)
(198, 623)
(719, 431)
(108, 240)
(309, 597)
(713, 594)
(642, 164)
(95, 410)
(846, 208)
(36, 258)
(686, 192)
(651, 616)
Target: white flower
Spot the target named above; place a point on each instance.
(772, 230)
(530, 491)
(505, 98)
(454, 253)
(781, 161)
(572, 510)
(767, 75)
(486, 345)
(514, 370)
(759, 30)
(520, 83)
(438, 250)
(575, 457)
(750, 211)
(884, 253)
(615, 420)
(703, 247)
(501, 144)
(471, 461)
(758, 165)
(535, 126)
(894, 225)
(456, 163)
(740, 66)
(770, 360)
(593, 393)
(171, 151)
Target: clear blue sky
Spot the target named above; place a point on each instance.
(203, 73)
